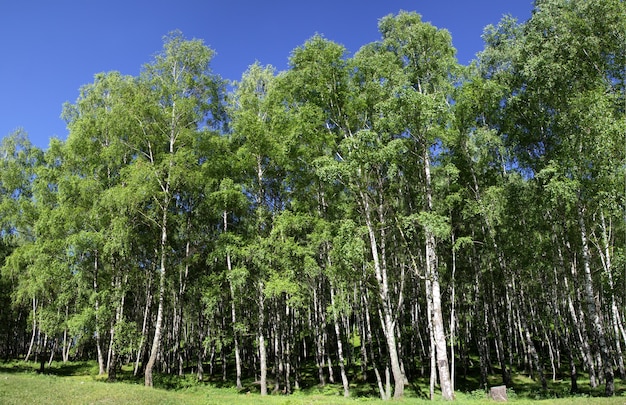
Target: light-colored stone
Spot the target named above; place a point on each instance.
(498, 393)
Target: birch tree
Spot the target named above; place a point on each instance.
(176, 95)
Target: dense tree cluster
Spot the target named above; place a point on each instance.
(375, 217)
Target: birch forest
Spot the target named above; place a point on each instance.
(381, 217)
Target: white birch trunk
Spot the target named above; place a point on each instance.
(344, 376)
(261, 339)
(594, 310)
(432, 274)
(101, 369)
(388, 321)
(156, 341)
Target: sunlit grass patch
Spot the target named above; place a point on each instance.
(78, 383)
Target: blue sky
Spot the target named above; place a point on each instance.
(49, 49)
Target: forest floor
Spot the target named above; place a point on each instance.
(78, 383)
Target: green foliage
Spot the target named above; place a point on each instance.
(126, 337)
(436, 224)
(355, 339)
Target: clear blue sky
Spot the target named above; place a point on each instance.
(49, 48)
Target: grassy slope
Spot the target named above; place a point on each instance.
(77, 384)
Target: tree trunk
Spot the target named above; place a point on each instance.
(380, 270)
(55, 345)
(364, 358)
(165, 185)
(432, 274)
(499, 344)
(605, 255)
(532, 352)
(261, 339)
(453, 316)
(578, 323)
(144, 327)
(594, 309)
(440, 340)
(432, 381)
(112, 359)
(32, 337)
(369, 341)
(276, 328)
(235, 336)
(233, 314)
(156, 341)
(101, 369)
(65, 349)
(344, 376)
(177, 319)
(200, 348)
(319, 323)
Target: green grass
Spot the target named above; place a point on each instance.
(78, 383)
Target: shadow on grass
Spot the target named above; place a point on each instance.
(523, 387)
(75, 368)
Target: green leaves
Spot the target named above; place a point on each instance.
(424, 50)
(18, 163)
(436, 224)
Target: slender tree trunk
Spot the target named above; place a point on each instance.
(329, 362)
(550, 352)
(483, 327)
(288, 337)
(276, 328)
(532, 351)
(319, 320)
(201, 351)
(119, 317)
(440, 340)
(101, 369)
(578, 323)
(573, 374)
(452, 315)
(605, 254)
(32, 337)
(235, 337)
(490, 232)
(233, 311)
(432, 351)
(156, 341)
(223, 354)
(342, 368)
(42, 353)
(144, 327)
(261, 339)
(177, 319)
(616, 331)
(55, 345)
(499, 344)
(388, 320)
(369, 341)
(363, 334)
(432, 273)
(65, 348)
(165, 185)
(594, 310)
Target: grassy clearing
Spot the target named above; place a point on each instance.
(78, 383)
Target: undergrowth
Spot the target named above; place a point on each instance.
(67, 383)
